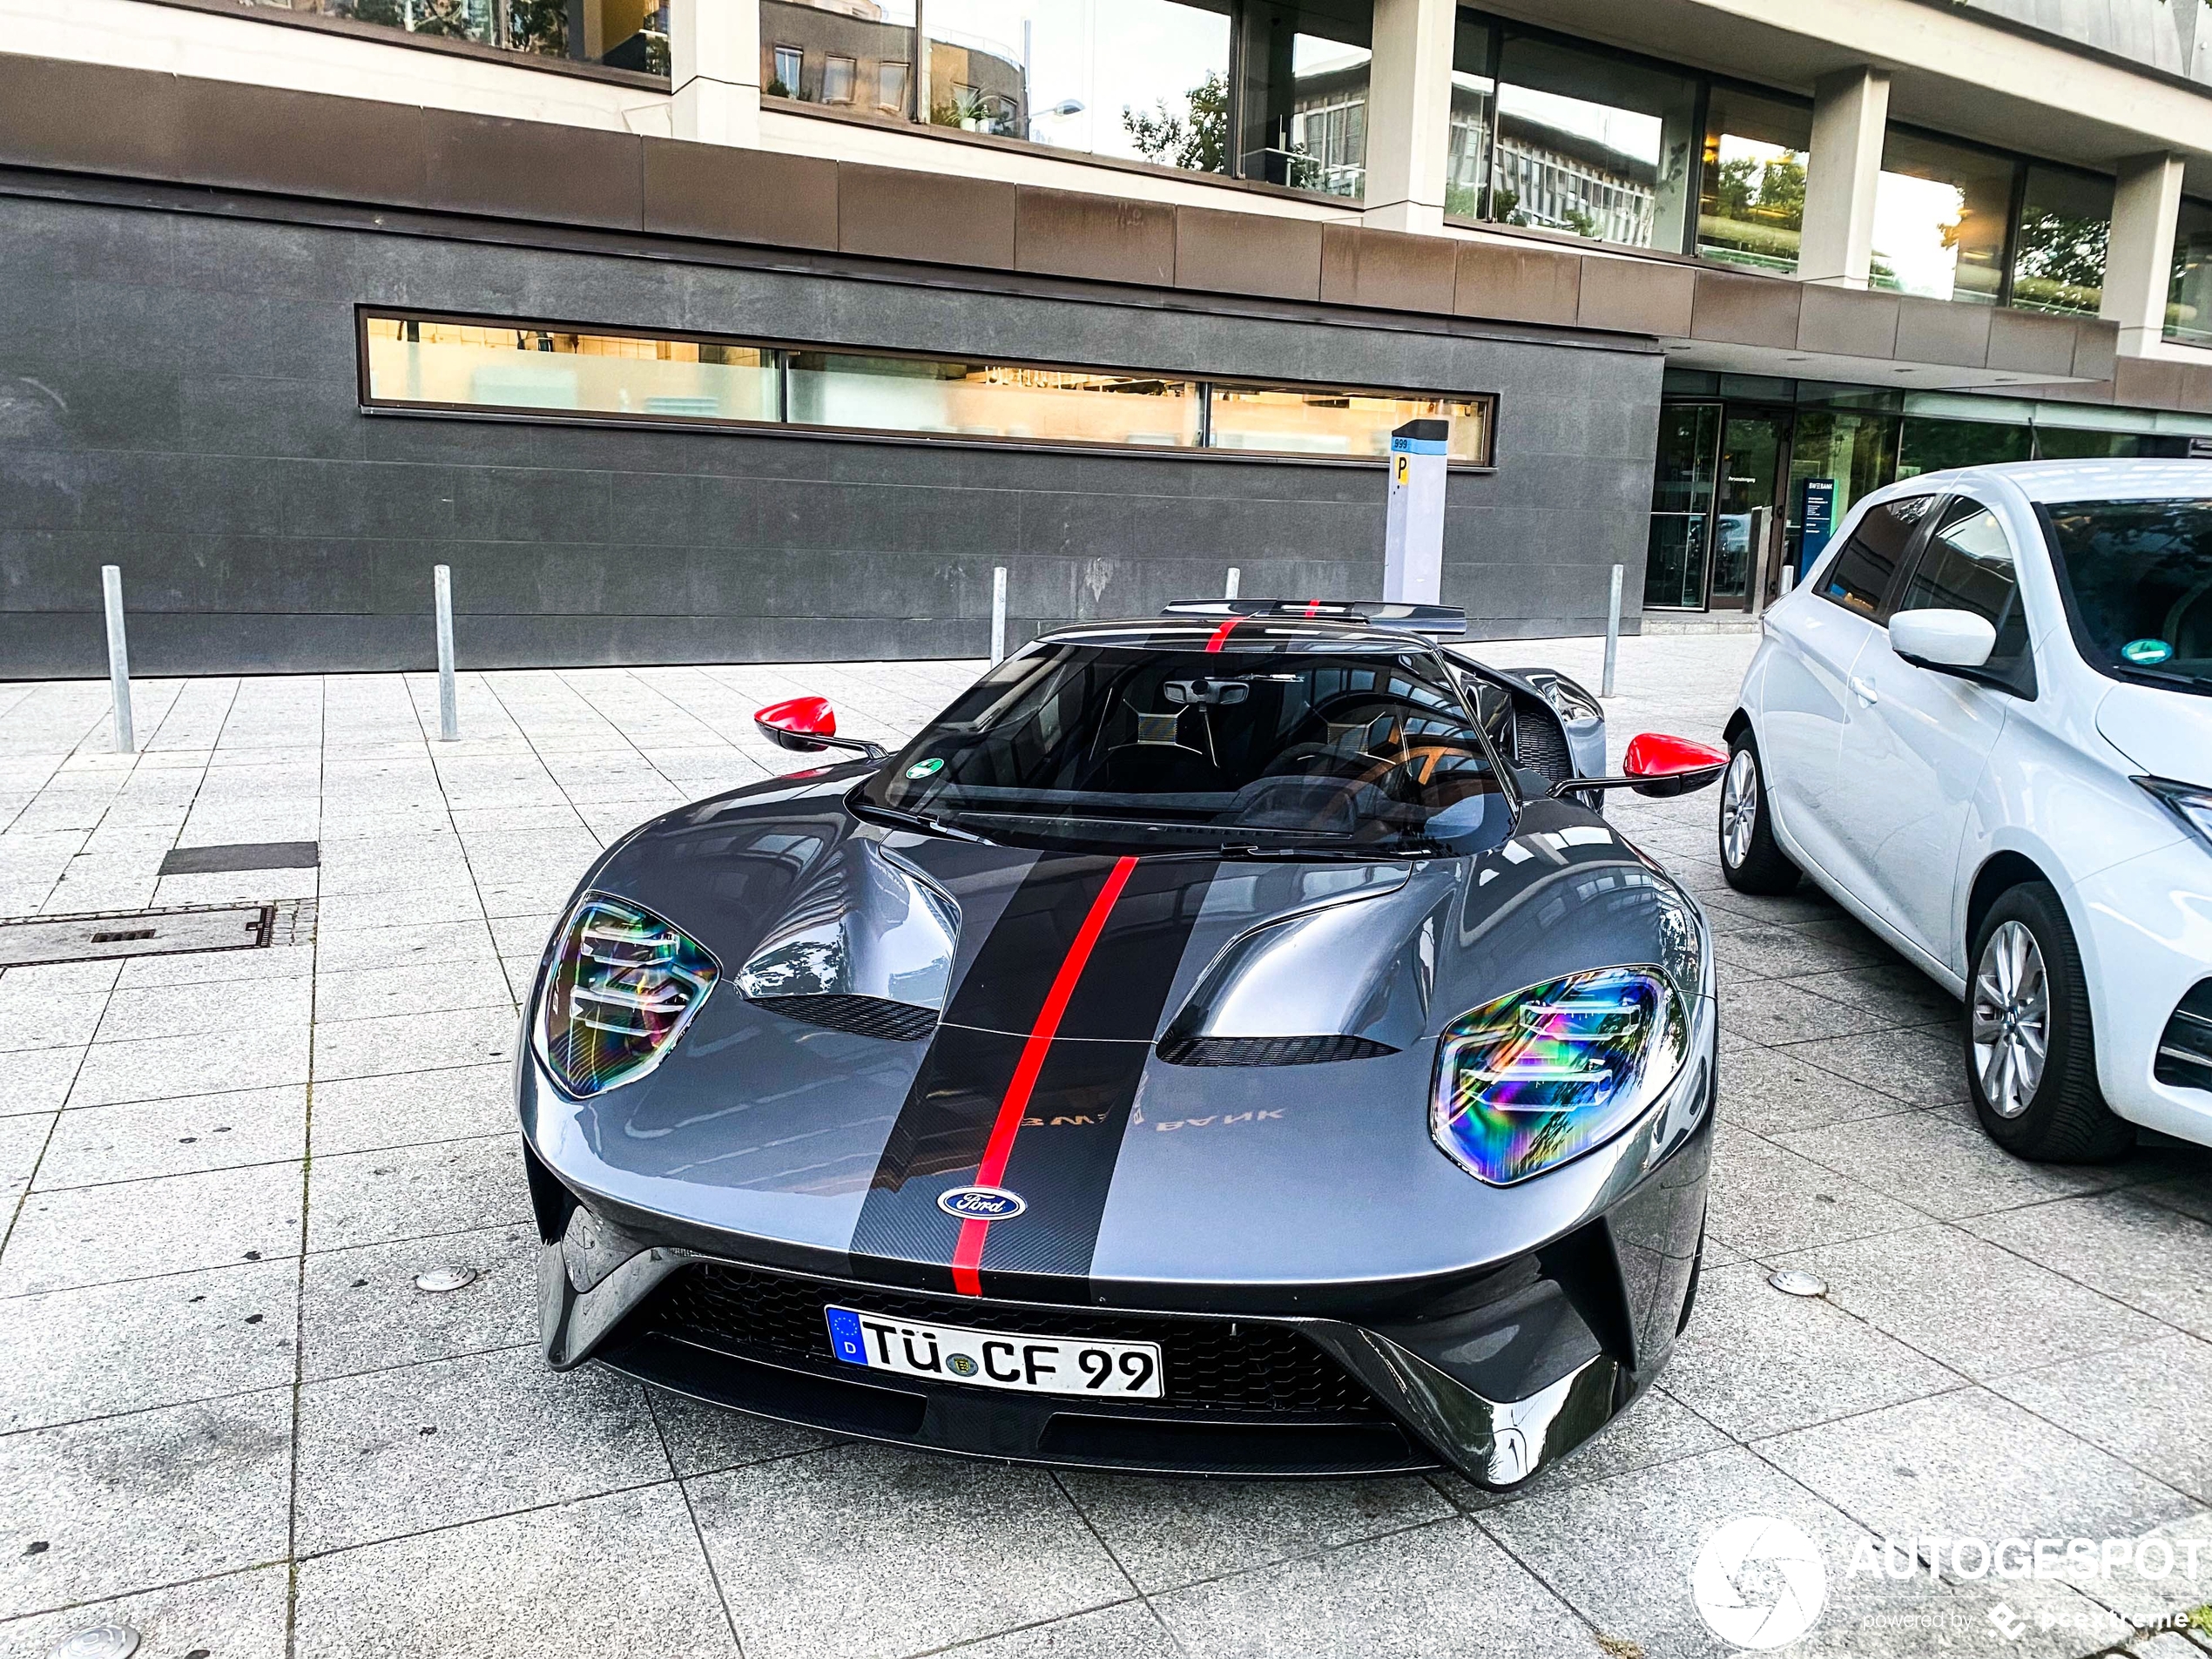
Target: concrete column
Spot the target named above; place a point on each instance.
(1409, 114)
(2139, 260)
(714, 64)
(1850, 110)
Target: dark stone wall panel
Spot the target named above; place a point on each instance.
(180, 399)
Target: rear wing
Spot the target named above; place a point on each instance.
(1447, 621)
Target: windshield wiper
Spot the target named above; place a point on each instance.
(2162, 676)
(904, 819)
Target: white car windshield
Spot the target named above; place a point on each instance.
(2138, 581)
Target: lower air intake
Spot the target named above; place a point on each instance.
(2185, 1047)
(1268, 1051)
(864, 1016)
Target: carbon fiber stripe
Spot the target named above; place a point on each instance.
(1063, 1156)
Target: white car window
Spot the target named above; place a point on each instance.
(1968, 565)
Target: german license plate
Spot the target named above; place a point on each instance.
(996, 1359)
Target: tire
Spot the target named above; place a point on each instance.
(2026, 966)
(1749, 859)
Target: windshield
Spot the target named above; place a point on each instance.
(2138, 581)
(1308, 751)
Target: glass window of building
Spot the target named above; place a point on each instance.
(1474, 96)
(1751, 197)
(827, 51)
(1942, 213)
(1303, 420)
(891, 89)
(2188, 299)
(1143, 80)
(991, 400)
(1305, 96)
(621, 34)
(2059, 251)
(453, 365)
(1593, 144)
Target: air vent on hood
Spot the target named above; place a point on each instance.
(1268, 1051)
(864, 1016)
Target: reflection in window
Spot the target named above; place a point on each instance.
(1592, 144)
(1751, 206)
(1143, 80)
(1305, 97)
(991, 400)
(1296, 421)
(2188, 299)
(622, 34)
(891, 89)
(462, 364)
(1941, 215)
(1466, 157)
(545, 370)
(826, 52)
(2059, 261)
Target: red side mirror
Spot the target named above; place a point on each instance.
(792, 723)
(1662, 765)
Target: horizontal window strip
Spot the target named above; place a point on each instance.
(560, 372)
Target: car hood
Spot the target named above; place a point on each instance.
(2169, 734)
(826, 1149)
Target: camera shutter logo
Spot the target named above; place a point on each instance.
(1759, 1582)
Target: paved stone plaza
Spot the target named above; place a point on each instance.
(230, 1419)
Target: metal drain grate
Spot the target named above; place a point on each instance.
(34, 940)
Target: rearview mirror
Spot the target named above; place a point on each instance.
(808, 725)
(1658, 766)
(1943, 639)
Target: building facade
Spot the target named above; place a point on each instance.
(763, 330)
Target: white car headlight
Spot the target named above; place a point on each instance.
(2189, 803)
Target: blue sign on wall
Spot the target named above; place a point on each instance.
(1818, 515)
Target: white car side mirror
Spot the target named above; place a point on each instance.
(1943, 639)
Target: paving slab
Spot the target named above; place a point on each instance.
(404, 1450)
(244, 1055)
(238, 1615)
(400, 1043)
(2151, 1406)
(361, 1311)
(406, 1109)
(131, 1142)
(140, 1229)
(414, 1191)
(153, 1498)
(702, 1438)
(1766, 1199)
(2154, 1258)
(864, 1550)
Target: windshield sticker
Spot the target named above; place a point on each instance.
(926, 768)
(2145, 652)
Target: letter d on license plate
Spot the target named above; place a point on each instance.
(996, 1359)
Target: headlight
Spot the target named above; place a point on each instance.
(2186, 802)
(623, 987)
(1528, 1082)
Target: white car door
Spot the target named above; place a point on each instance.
(1804, 699)
(1917, 740)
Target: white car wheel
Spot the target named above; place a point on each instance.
(2011, 1019)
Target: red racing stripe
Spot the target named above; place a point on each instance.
(1221, 634)
(968, 1252)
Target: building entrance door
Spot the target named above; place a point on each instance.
(1717, 465)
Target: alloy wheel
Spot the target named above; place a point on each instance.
(2011, 1019)
(1739, 807)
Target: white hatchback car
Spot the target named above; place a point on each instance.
(1983, 723)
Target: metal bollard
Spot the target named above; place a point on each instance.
(118, 658)
(1612, 633)
(448, 703)
(1789, 577)
(998, 616)
(1236, 581)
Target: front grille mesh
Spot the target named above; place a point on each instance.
(2185, 1049)
(1268, 1051)
(864, 1016)
(1208, 1363)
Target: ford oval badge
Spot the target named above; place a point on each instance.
(981, 1203)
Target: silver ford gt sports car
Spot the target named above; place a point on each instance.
(1228, 1042)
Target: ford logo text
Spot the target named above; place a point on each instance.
(981, 1203)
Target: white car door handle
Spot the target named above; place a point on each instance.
(1864, 690)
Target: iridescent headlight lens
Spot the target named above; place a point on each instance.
(622, 986)
(1528, 1082)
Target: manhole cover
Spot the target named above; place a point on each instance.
(1791, 1282)
(101, 1641)
(32, 940)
